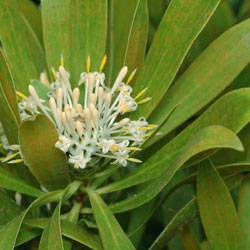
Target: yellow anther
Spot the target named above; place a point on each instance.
(144, 128)
(134, 160)
(16, 161)
(54, 73)
(144, 100)
(141, 93)
(152, 126)
(21, 95)
(114, 147)
(104, 60)
(88, 64)
(149, 134)
(62, 60)
(131, 77)
(10, 157)
(134, 148)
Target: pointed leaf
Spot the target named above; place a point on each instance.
(47, 163)
(217, 210)
(208, 76)
(207, 138)
(244, 210)
(111, 232)
(24, 52)
(11, 182)
(236, 104)
(183, 19)
(76, 29)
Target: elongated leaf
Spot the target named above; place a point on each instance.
(236, 104)
(166, 55)
(128, 36)
(217, 211)
(8, 118)
(210, 137)
(32, 13)
(9, 209)
(70, 230)
(111, 232)
(186, 215)
(11, 182)
(243, 210)
(76, 29)
(27, 235)
(51, 237)
(211, 73)
(9, 232)
(24, 52)
(46, 162)
(8, 86)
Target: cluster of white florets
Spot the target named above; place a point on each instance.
(90, 125)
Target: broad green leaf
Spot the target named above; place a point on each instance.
(183, 19)
(111, 232)
(244, 209)
(11, 182)
(217, 210)
(9, 209)
(51, 238)
(47, 163)
(26, 235)
(76, 29)
(8, 118)
(127, 36)
(9, 232)
(33, 15)
(235, 103)
(24, 52)
(70, 230)
(207, 138)
(208, 76)
(156, 10)
(8, 86)
(185, 216)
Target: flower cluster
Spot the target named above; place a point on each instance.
(89, 123)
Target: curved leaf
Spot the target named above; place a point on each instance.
(76, 29)
(217, 211)
(47, 163)
(24, 52)
(207, 138)
(244, 209)
(236, 104)
(11, 182)
(111, 232)
(166, 55)
(208, 76)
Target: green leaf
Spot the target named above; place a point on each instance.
(70, 230)
(184, 216)
(11, 182)
(207, 138)
(33, 15)
(26, 235)
(244, 209)
(47, 163)
(9, 209)
(8, 118)
(8, 86)
(127, 36)
(225, 59)
(51, 238)
(236, 104)
(217, 210)
(24, 52)
(166, 54)
(9, 232)
(76, 29)
(111, 232)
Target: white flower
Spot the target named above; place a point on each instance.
(79, 160)
(93, 127)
